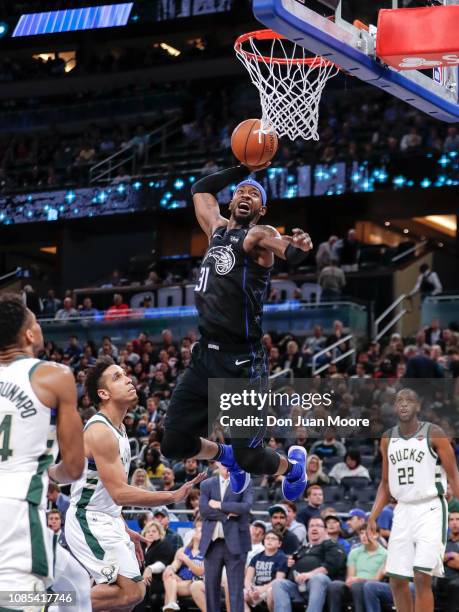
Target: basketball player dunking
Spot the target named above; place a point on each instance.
(230, 293)
(417, 458)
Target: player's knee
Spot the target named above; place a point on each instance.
(257, 460)
(398, 584)
(175, 445)
(422, 580)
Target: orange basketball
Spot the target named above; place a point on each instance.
(251, 146)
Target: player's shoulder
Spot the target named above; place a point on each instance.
(52, 368)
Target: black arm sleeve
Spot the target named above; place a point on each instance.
(294, 256)
(219, 180)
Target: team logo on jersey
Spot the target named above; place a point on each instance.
(109, 572)
(223, 257)
(420, 438)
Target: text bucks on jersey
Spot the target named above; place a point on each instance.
(415, 471)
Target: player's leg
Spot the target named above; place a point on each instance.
(429, 526)
(400, 557)
(401, 593)
(103, 547)
(424, 600)
(125, 593)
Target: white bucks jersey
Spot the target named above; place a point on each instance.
(415, 471)
(27, 435)
(88, 493)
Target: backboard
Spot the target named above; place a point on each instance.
(329, 28)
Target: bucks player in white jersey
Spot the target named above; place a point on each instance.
(94, 529)
(37, 409)
(417, 460)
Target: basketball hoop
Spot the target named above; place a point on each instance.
(290, 84)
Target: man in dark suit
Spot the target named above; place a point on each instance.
(225, 539)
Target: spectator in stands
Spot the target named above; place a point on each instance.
(410, 141)
(329, 446)
(168, 339)
(266, 566)
(50, 305)
(365, 562)
(315, 471)
(326, 253)
(54, 521)
(421, 365)
(257, 534)
(161, 514)
(278, 514)
(315, 566)
(349, 252)
(315, 499)
(294, 360)
(192, 504)
(350, 467)
(153, 409)
(356, 519)
(108, 349)
(140, 479)
(451, 144)
(376, 593)
(385, 519)
(449, 585)
(58, 499)
(338, 334)
(159, 553)
(335, 530)
(433, 334)
(87, 310)
(298, 529)
(153, 463)
(118, 310)
(180, 576)
(313, 344)
(189, 471)
(427, 283)
(67, 311)
(332, 282)
(168, 480)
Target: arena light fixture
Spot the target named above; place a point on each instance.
(3, 28)
(171, 50)
(72, 20)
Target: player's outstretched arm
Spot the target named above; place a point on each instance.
(442, 446)
(291, 248)
(205, 192)
(103, 448)
(383, 493)
(54, 385)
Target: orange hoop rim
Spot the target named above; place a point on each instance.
(272, 35)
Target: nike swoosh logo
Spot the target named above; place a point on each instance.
(241, 362)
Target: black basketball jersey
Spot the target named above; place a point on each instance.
(230, 291)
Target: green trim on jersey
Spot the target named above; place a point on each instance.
(10, 610)
(432, 452)
(80, 515)
(39, 556)
(416, 568)
(400, 435)
(34, 367)
(444, 524)
(110, 423)
(137, 578)
(35, 492)
(391, 575)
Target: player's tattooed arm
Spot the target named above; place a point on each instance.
(267, 238)
(441, 444)
(383, 494)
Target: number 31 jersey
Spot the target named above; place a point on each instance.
(415, 471)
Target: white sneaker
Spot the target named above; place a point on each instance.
(171, 607)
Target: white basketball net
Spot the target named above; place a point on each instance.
(290, 89)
